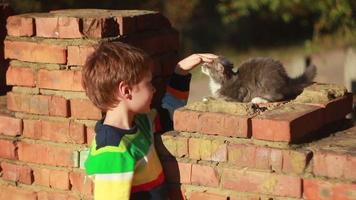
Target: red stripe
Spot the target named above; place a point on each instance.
(150, 185)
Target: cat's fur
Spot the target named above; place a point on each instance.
(258, 80)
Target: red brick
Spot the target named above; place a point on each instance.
(66, 131)
(322, 190)
(20, 173)
(47, 26)
(349, 168)
(60, 80)
(205, 176)
(12, 192)
(127, 24)
(20, 26)
(8, 149)
(328, 164)
(186, 120)
(59, 179)
(20, 76)
(249, 197)
(84, 109)
(204, 195)
(337, 109)
(295, 161)
(49, 155)
(10, 126)
(77, 55)
(80, 184)
(237, 126)
(41, 176)
(100, 27)
(35, 52)
(289, 123)
(90, 135)
(177, 172)
(69, 27)
(38, 104)
(262, 183)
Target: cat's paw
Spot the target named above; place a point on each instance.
(259, 100)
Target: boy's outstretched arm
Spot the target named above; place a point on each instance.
(177, 92)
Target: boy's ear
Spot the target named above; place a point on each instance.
(124, 90)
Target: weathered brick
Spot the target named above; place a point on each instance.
(35, 52)
(328, 164)
(242, 155)
(38, 104)
(77, 55)
(84, 109)
(41, 176)
(79, 183)
(17, 173)
(99, 27)
(60, 80)
(10, 126)
(276, 160)
(18, 25)
(262, 183)
(177, 172)
(289, 123)
(59, 179)
(205, 175)
(69, 27)
(337, 109)
(12, 192)
(295, 161)
(206, 149)
(205, 195)
(47, 26)
(50, 155)
(262, 157)
(66, 131)
(8, 149)
(323, 190)
(21, 76)
(186, 120)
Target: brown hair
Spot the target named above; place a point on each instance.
(107, 66)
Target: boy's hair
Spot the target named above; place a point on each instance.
(110, 64)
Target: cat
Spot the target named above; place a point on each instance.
(258, 80)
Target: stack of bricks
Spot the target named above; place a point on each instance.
(298, 149)
(51, 120)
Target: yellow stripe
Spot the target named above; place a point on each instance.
(148, 171)
(112, 190)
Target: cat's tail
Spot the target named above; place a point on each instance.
(307, 77)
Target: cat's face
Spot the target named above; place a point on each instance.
(219, 70)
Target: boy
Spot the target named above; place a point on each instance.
(122, 159)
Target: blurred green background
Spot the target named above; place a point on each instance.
(235, 25)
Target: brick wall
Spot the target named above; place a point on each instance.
(301, 149)
(49, 121)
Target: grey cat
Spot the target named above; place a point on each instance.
(258, 80)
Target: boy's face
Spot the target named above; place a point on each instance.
(142, 94)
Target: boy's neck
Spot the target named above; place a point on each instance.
(119, 117)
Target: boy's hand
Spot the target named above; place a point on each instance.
(188, 63)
